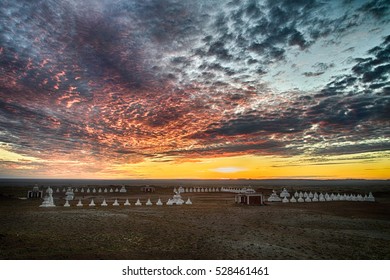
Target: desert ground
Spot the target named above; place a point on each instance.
(214, 227)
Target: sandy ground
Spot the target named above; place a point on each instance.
(212, 228)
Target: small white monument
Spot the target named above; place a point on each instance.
(188, 202)
(105, 190)
(104, 203)
(293, 199)
(307, 199)
(99, 190)
(284, 193)
(127, 203)
(79, 204)
(285, 199)
(111, 190)
(123, 189)
(48, 200)
(274, 197)
(69, 194)
(138, 203)
(300, 199)
(82, 190)
(370, 197)
(115, 203)
(148, 203)
(92, 204)
(94, 190)
(159, 202)
(88, 190)
(66, 203)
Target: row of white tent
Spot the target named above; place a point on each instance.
(127, 203)
(315, 197)
(93, 190)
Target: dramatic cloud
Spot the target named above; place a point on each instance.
(121, 82)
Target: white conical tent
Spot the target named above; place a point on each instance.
(159, 202)
(66, 203)
(188, 202)
(104, 203)
(79, 204)
(92, 203)
(115, 203)
(127, 203)
(148, 203)
(138, 203)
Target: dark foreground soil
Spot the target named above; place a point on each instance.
(212, 228)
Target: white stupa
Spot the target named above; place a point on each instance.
(284, 193)
(88, 190)
(99, 190)
(300, 194)
(285, 199)
(104, 203)
(123, 189)
(127, 203)
(188, 202)
(296, 194)
(92, 204)
(105, 190)
(354, 198)
(327, 197)
(305, 195)
(274, 197)
(82, 190)
(66, 203)
(169, 202)
(307, 199)
(159, 203)
(190, 189)
(111, 190)
(337, 197)
(293, 199)
(315, 195)
(321, 197)
(300, 199)
(348, 197)
(63, 190)
(116, 190)
(314, 199)
(360, 197)
(48, 200)
(148, 203)
(115, 203)
(58, 190)
(201, 190)
(76, 190)
(138, 203)
(311, 195)
(370, 197)
(180, 189)
(94, 190)
(79, 204)
(69, 194)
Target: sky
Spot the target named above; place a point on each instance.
(206, 89)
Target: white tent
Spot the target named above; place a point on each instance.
(104, 203)
(79, 204)
(92, 203)
(138, 203)
(159, 203)
(148, 203)
(189, 202)
(115, 203)
(127, 203)
(293, 199)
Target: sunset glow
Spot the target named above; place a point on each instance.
(194, 89)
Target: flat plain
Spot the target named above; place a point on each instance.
(214, 227)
